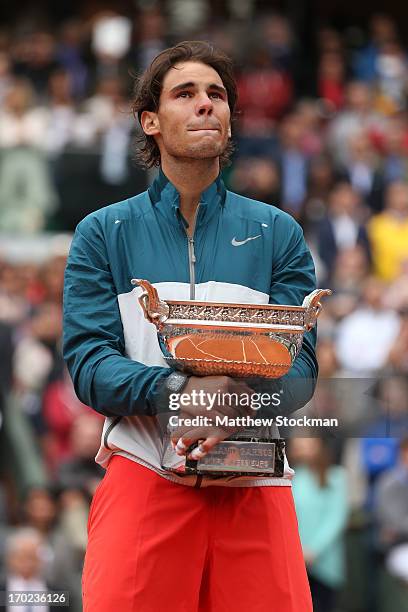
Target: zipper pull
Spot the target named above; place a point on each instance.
(191, 241)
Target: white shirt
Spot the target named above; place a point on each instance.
(361, 176)
(27, 129)
(345, 231)
(364, 339)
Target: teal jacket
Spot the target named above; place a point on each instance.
(111, 351)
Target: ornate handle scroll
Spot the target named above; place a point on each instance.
(155, 310)
(313, 306)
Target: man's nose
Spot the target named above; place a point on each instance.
(204, 105)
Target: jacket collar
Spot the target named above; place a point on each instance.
(165, 197)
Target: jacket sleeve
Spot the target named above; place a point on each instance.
(293, 277)
(93, 342)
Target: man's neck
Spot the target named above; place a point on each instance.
(190, 177)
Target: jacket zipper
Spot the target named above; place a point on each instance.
(191, 256)
(191, 262)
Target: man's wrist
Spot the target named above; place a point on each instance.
(174, 383)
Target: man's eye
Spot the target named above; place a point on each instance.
(184, 94)
(215, 94)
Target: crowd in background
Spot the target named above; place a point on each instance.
(322, 136)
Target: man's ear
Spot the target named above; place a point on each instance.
(150, 123)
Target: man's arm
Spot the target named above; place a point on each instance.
(94, 345)
(293, 277)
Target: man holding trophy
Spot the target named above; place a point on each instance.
(181, 304)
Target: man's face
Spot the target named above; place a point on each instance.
(397, 198)
(193, 119)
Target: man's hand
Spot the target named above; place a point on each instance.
(230, 391)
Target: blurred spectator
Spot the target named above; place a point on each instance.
(395, 162)
(329, 40)
(278, 36)
(331, 80)
(115, 148)
(321, 179)
(37, 359)
(61, 408)
(388, 232)
(342, 228)
(391, 503)
(365, 61)
(34, 354)
(25, 566)
(264, 93)
(150, 31)
(396, 296)
(81, 473)
(363, 171)
(107, 111)
(308, 113)
(51, 276)
(98, 109)
(256, 178)
(22, 123)
(326, 358)
(320, 494)
(35, 60)
(357, 115)
(398, 355)
(70, 56)
(26, 191)
(365, 337)
(6, 352)
(40, 510)
(185, 16)
(14, 307)
(6, 357)
(389, 414)
(61, 563)
(351, 269)
(3, 522)
(391, 515)
(110, 42)
(397, 563)
(62, 113)
(386, 423)
(349, 274)
(293, 164)
(6, 78)
(392, 78)
(357, 478)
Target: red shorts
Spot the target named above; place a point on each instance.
(155, 545)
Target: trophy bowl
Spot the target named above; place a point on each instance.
(239, 340)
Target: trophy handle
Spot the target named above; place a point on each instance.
(155, 310)
(313, 306)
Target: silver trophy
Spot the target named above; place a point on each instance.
(237, 340)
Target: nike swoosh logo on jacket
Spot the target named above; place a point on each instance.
(237, 243)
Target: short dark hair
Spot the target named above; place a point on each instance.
(148, 87)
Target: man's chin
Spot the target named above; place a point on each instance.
(203, 151)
